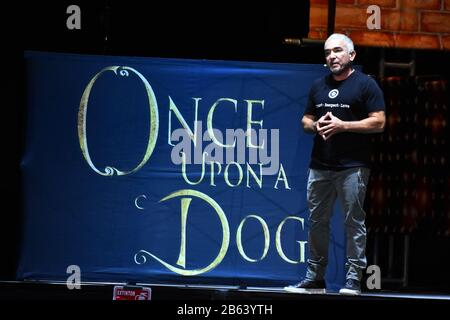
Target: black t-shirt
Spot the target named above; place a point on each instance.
(351, 99)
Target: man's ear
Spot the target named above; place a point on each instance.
(352, 55)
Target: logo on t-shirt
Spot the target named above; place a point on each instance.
(333, 93)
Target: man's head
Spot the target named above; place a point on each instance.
(339, 53)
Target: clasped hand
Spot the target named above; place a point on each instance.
(328, 125)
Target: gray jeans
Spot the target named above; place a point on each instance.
(324, 186)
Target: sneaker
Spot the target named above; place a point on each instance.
(308, 286)
(352, 288)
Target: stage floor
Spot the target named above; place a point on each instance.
(18, 290)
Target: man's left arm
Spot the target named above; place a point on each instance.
(374, 123)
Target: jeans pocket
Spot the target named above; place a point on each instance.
(363, 177)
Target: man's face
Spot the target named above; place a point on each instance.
(337, 57)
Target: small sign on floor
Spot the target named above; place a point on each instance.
(132, 293)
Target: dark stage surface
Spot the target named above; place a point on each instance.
(40, 291)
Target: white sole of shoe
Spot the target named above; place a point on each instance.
(349, 292)
(305, 291)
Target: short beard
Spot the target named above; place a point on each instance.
(344, 68)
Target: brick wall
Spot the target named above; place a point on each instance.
(421, 24)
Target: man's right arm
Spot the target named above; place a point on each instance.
(309, 123)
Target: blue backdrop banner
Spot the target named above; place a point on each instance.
(168, 171)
